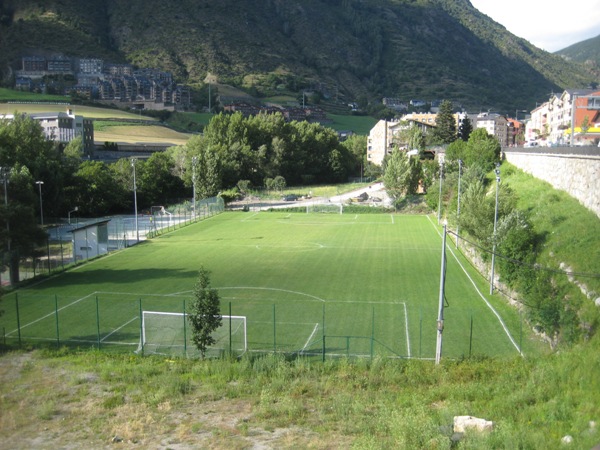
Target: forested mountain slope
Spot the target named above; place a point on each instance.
(347, 49)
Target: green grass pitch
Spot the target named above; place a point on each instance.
(352, 284)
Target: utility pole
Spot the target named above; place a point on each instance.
(137, 230)
(440, 319)
(495, 224)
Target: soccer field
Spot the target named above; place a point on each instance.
(314, 284)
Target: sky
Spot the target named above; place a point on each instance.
(548, 24)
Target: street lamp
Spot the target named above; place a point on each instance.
(458, 203)
(440, 198)
(194, 162)
(497, 171)
(39, 183)
(73, 210)
(137, 231)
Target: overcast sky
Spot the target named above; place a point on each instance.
(548, 24)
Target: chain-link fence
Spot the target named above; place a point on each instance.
(156, 324)
(122, 231)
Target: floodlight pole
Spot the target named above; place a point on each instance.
(458, 203)
(440, 197)
(497, 171)
(69, 214)
(194, 162)
(440, 319)
(137, 230)
(39, 183)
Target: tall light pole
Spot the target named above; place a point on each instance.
(73, 210)
(497, 171)
(458, 203)
(39, 183)
(440, 319)
(137, 231)
(440, 198)
(194, 162)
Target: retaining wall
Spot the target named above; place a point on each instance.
(575, 170)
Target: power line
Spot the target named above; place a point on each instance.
(537, 267)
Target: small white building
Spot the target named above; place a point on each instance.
(90, 240)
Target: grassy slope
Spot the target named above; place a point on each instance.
(269, 403)
(570, 231)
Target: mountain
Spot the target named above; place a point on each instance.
(586, 52)
(348, 50)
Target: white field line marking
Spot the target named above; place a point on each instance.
(504, 327)
(245, 219)
(406, 328)
(117, 329)
(309, 340)
(274, 289)
(392, 216)
(138, 294)
(52, 313)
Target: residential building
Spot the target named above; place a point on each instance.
(63, 127)
(379, 142)
(551, 122)
(495, 125)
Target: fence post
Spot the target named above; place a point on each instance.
(372, 332)
(57, 327)
(18, 318)
(98, 321)
(48, 248)
(471, 336)
(230, 346)
(324, 347)
(142, 340)
(274, 331)
(420, 330)
(184, 331)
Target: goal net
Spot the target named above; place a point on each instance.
(167, 333)
(325, 208)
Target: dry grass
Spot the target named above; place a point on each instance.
(144, 134)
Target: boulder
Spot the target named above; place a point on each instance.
(465, 423)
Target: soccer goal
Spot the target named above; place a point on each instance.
(168, 333)
(325, 208)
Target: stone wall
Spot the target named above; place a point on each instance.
(575, 170)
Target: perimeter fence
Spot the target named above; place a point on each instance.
(117, 322)
(57, 254)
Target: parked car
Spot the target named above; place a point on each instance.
(290, 198)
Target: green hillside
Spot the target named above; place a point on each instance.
(348, 50)
(586, 52)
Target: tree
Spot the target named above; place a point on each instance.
(401, 175)
(445, 124)
(465, 128)
(204, 313)
(279, 183)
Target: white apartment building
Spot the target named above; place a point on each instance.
(63, 127)
(551, 121)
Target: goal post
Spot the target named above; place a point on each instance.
(325, 208)
(169, 333)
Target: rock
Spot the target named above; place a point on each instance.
(567, 439)
(464, 423)
(117, 439)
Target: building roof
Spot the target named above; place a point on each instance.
(90, 225)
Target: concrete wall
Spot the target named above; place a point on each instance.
(575, 170)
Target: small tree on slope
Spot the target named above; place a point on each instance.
(204, 314)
